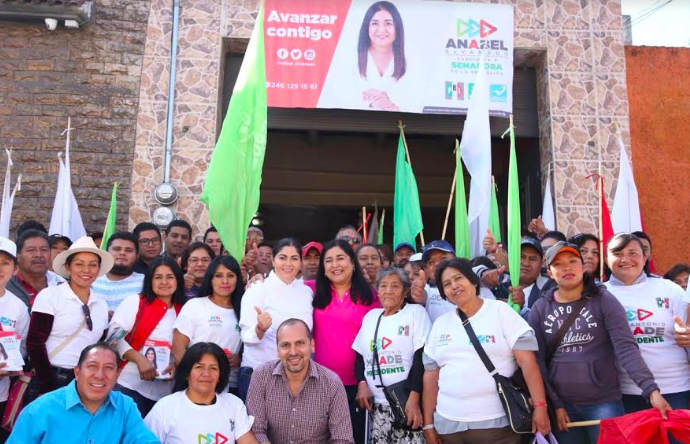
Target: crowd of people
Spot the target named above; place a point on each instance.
(160, 338)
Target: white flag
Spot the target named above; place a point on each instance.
(476, 154)
(625, 215)
(66, 219)
(547, 214)
(8, 198)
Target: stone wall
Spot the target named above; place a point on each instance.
(576, 45)
(92, 75)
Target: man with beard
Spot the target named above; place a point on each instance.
(295, 399)
(33, 256)
(121, 281)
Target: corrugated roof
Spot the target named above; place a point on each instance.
(49, 2)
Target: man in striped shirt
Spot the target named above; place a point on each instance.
(295, 400)
(121, 281)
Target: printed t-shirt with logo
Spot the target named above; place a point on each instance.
(13, 317)
(177, 420)
(125, 317)
(400, 335)
(203, 321)
(498, 327)
(435, 305)
(650, 306)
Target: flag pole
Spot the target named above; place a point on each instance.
(364, 225)
(407, 153)
(450, 203)
(601, 224)
(594, 422)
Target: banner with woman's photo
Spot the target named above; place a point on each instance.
(402, 55)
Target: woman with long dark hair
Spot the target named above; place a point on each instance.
(149, 316)
(194, 262)
(214, 315)
(199, 402)
(267, 304)
(578, 363)
(589, 249)
(342, 297)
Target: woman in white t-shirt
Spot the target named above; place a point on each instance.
(199, 410)
(460, 399)
(214, 315)
(398, 332)
(653, 306)
(267, 304)
(143, 322)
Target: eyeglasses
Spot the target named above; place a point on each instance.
(196, 260)
(350, 239)
(87, 316)
(152, 241)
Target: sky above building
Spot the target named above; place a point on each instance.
(658, 22)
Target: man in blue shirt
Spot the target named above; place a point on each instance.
(86, 411)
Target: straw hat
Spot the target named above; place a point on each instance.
(83, 245)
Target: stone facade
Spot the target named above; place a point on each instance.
(576, 46)
(92, 75)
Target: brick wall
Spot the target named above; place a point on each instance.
(92, 75)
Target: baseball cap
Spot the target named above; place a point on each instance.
(8, 247)
(438, 245)
(416, 257)
(404, 244)
(531, 242)
(315, 245)
(561, 247)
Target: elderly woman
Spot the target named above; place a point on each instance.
(148, 318)
(369, 258)
(450, 361)
(398, 332)
(66, 318)
(651, 304)
(199, 404)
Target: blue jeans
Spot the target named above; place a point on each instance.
(243, 380)
(143, 403)
(588, 435)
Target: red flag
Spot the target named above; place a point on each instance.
(645, 427)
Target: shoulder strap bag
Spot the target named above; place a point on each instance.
(514, 398)
(396, 394)
(570, 320)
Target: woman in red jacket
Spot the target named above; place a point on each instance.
(146, 321)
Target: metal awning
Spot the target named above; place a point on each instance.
(79, 11)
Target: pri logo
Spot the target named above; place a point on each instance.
(457, 88)
(210, 438)
(498, 93)
(663, 303)
(639, 314)
(472, 28)
(404, 330)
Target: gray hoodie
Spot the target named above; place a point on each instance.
(583, 369)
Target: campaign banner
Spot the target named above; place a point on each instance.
(403, 55)
(10, 352)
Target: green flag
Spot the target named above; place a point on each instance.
(462, 230)
(407, 215)
(109, 229)
(233, 180)
(494, 219)
(514, 221)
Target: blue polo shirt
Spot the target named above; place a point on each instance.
(60, 417)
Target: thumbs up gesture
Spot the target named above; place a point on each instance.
(489, 243)
(681, 332)
(537, 227)
(263, 319)
(417, 293)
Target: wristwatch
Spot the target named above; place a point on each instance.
(428, 427)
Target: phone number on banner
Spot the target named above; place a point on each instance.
(279, 85)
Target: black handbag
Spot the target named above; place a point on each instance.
(396, 394)
(514, 396)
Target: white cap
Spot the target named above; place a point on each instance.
(416, 257)
(8, 246)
